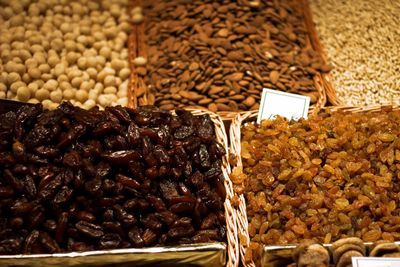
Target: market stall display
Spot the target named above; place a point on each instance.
(65, 50)
(361, 40)
(325, 178)
(220, 55)
(84, 180)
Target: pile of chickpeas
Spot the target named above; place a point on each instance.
(54, 50)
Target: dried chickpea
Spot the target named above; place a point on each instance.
(42, 94)
(23, 93)
(33, 101)
(69, 94)
(124, 73)
(35, 73)
(56, 96)
(46, 103)
(13, 77)
(14, 86)
(140, 61)
(110, 90)
(81, 95)
(33, 87)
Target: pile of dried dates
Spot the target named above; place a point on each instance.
(81, 180)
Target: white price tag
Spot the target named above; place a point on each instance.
(375, 262)
(291, 106)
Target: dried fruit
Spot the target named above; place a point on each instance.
(332, 176)
(77, 180)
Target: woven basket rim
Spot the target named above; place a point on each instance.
(235, 151)
(137, 44)
(230, 213)
(318, 46)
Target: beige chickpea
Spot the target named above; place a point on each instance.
(23, 93)
(44, 68)
(31, 63)
(26, 78)
(82, 63)
(76, 82)
(106, 100)
(105, 51)
(40, 83)
(85, 76)
(98, 87)
(10, 67)
(137, 18)
(72, 73)
(56, 96)
(124, 73)
(6, 12)
(136, 10)
(121, 94)
(14, 86)
(59, 69)
(80, 47)
(91, 62)
(66, 27)
(101, 62)
(51, 85)
(117, 64)
(72, 57)
(65, 85)
(81, 95)
(93, 95)
(110, 90)
(35, 73)
(70, 45)
(33, 101)
(42, 94)
(92, 72)
(3, 95)
(33, 87)
(62, 78)
(140, 61)
(89, 104)
(53, 61)
(17, 20)
(109, 80)
(46, 103)
(122, 101)
(13, 77)
(36, 48)
(3, 87)
(11, 95)
(69, 94)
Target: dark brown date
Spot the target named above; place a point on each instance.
(81, 180)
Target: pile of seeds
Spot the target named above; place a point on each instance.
(362, 41)
(325, 178)
(78, 180)
(220, 54)
(74, 50)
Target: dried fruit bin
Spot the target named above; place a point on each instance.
(191, 82)
(202, 254)
(373, 116)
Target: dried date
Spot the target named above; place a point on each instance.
(80, 180)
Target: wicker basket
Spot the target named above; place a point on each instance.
(317, 46)
(235, 150)
(230, 214)
(139, 92)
